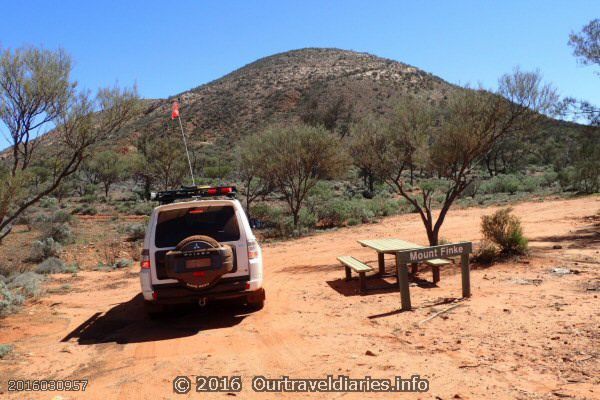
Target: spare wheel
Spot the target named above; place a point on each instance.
(199, 261)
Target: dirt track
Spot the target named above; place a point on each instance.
(525, 334)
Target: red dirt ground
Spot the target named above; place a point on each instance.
(526, 333)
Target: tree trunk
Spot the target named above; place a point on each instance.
(432, 236)
(489, 167)
(248, 204)
(147, 187)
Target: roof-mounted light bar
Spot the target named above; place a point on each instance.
(189, 192)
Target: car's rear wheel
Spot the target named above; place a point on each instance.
(256, 300)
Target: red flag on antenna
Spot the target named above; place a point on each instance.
(175, 110)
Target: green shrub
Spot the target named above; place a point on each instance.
(307, 219)
(508, 184)
(9, 301)
(502, 184)
(5, 349)
(472, 188)
(120, 263)
(49, 202)
(383, 207)
(340, 212)
(61, 233)
(488, 187)
(487, 252)
(549, 178)
(260, 211)
(334, 212)
(90, 198)
(143, 208)
(584, 178)
(25, 219)
(504, 229)
(27, 284)
(85, 209)
(51, 265)
(123, 263)
(43, 249)
(136, 231)
(531, 183)
(55, 226)
(62, 217)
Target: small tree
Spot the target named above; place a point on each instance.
(586, 44)
(407, 140)
(586, 47)
(294, 158)
(108, 168)
(458, 139)
(368, 140)
(160, 161)
(249, 162)
(37, 94)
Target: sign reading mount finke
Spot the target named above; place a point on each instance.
(428, 253)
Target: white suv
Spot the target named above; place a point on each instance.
(200, 250)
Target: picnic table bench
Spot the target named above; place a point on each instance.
(392, 246)
(352, 264)
(410, 253)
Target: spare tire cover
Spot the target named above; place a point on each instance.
(199, 261)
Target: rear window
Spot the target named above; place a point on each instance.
(218, 222)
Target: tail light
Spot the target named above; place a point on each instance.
(253, 250)
(145, 260)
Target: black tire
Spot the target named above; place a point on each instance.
(257, 306)
(176, 269)
(210, 242)
(256, 301)
(198, 238)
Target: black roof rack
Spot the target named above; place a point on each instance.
(191, 192)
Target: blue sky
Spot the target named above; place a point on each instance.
(169, 46)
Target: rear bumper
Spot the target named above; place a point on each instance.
(226, 288)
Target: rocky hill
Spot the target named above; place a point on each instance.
(330, 85)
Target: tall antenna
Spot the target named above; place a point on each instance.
(175, 114)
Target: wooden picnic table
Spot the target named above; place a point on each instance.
(388, 246)
(407, 252)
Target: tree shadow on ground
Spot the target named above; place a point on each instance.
(581, 238)
(128, 323)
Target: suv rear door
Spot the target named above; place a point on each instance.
(217, 219)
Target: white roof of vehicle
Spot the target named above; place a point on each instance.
(196, 203)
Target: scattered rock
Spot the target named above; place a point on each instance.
(561, 271)
(521, 281)
(561, 395)
(370, 353)
(557, 247)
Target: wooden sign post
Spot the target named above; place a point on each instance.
(404, 257)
